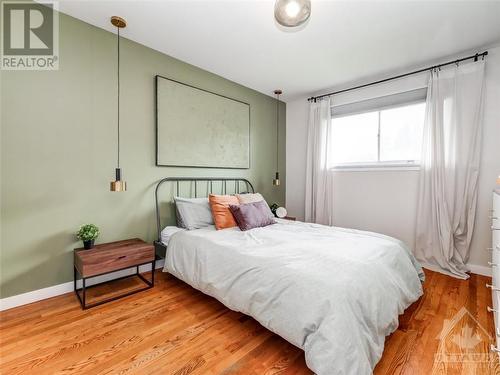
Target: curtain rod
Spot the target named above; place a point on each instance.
(475, 57)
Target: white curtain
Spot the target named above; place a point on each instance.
(451, 154)
(319, 179)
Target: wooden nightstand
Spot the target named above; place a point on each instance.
(290, 218)
(111, 257)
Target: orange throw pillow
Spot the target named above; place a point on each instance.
(219, 204)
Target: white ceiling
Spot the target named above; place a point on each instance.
(344, 41)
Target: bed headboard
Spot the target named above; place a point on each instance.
(199, 187)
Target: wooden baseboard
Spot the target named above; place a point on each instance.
(56, 290)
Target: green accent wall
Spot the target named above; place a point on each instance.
(58, 151)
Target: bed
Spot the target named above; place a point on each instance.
(334, 292)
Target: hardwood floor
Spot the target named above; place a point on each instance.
(174, 329)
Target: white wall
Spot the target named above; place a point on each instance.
(296, 142)
(385, 201)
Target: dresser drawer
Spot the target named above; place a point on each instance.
(495, 257)
(104, 259)
(495, 240)
(495, 273)
(496, 316)
(495, 212)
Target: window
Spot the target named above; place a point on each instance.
(388, 136)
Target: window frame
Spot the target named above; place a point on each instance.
(396, 165)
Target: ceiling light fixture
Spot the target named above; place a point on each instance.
(118, 184)
(292, 13)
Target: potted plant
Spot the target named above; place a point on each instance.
(88, 233)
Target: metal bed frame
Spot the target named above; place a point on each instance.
(160, 248)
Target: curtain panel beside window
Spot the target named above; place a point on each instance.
(449, 172)
(319, 177)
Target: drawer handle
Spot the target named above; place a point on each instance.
(493, 348)
(494, 288)
(490, 309)
(493, 218)
(122, 256)
(492, 264)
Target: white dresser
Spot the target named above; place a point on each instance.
(495, 264)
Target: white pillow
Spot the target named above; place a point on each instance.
(167, 233)
(251, 198)
(193, 213)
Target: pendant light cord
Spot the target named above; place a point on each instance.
(277, 129)
(118, 80)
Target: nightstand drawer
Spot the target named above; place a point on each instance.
(113, 257)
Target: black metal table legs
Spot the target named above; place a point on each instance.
(83, 289)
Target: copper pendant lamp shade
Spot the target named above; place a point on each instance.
(118, 184)
(276, 181)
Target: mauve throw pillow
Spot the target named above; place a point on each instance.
(251, 198)
(251, 215)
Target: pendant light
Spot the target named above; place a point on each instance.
(292, 13)
(118, 184)
(276, 181)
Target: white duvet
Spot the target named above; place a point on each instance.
(336, 293)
